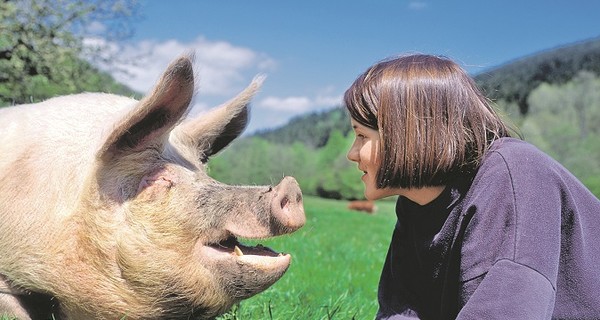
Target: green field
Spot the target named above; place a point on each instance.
(337, 258)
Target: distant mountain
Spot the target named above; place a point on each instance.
(312, 129)
(510, 82)
(513, 81)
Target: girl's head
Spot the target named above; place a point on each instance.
(433, 123)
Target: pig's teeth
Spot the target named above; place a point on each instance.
(237, 251)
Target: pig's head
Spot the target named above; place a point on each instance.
(165, 231)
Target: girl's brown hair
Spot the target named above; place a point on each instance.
(434, 123)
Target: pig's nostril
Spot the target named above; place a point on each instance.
(284, 202)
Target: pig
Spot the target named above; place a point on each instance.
(107, 210)
(363, 205)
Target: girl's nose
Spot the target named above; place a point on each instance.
(352, 154)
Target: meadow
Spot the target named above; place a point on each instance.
(337, 258)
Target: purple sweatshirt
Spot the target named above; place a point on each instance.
(518, 241)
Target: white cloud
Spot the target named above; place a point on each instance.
(297, 105)
(292, 104)
(96, 27)
(222, 68)
(328, 101)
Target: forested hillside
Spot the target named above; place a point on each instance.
(513, 81)
(552, 97)
(311, 129)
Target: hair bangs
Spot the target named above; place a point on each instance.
(361, 103)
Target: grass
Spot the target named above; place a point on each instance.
(336, 261)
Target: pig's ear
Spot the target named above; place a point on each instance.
(212, 131)
(153, 118)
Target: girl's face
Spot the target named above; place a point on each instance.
(364, 152)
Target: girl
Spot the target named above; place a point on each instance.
(488, 226)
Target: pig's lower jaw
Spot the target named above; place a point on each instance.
(244, 270)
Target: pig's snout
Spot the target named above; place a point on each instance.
(286, 206)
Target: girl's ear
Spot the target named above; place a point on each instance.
(151, 121)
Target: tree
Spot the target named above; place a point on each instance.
(563, 122)
(338, 177)
(585, 96)
(42, 42)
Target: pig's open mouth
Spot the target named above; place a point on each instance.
(243, 270)
(233, 246)
(257, 257)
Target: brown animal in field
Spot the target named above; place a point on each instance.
(363, 205)
(106, 210)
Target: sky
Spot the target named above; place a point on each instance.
(310, 51)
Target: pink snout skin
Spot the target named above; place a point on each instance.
(286, 205)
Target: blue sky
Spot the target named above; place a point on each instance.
(311, 51)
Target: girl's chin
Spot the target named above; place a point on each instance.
(372, 194)
(377, 194)
(372, 198)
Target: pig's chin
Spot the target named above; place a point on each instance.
(251, 268)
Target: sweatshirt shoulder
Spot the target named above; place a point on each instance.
(515, 150)
(519, 156)
(532, 175)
